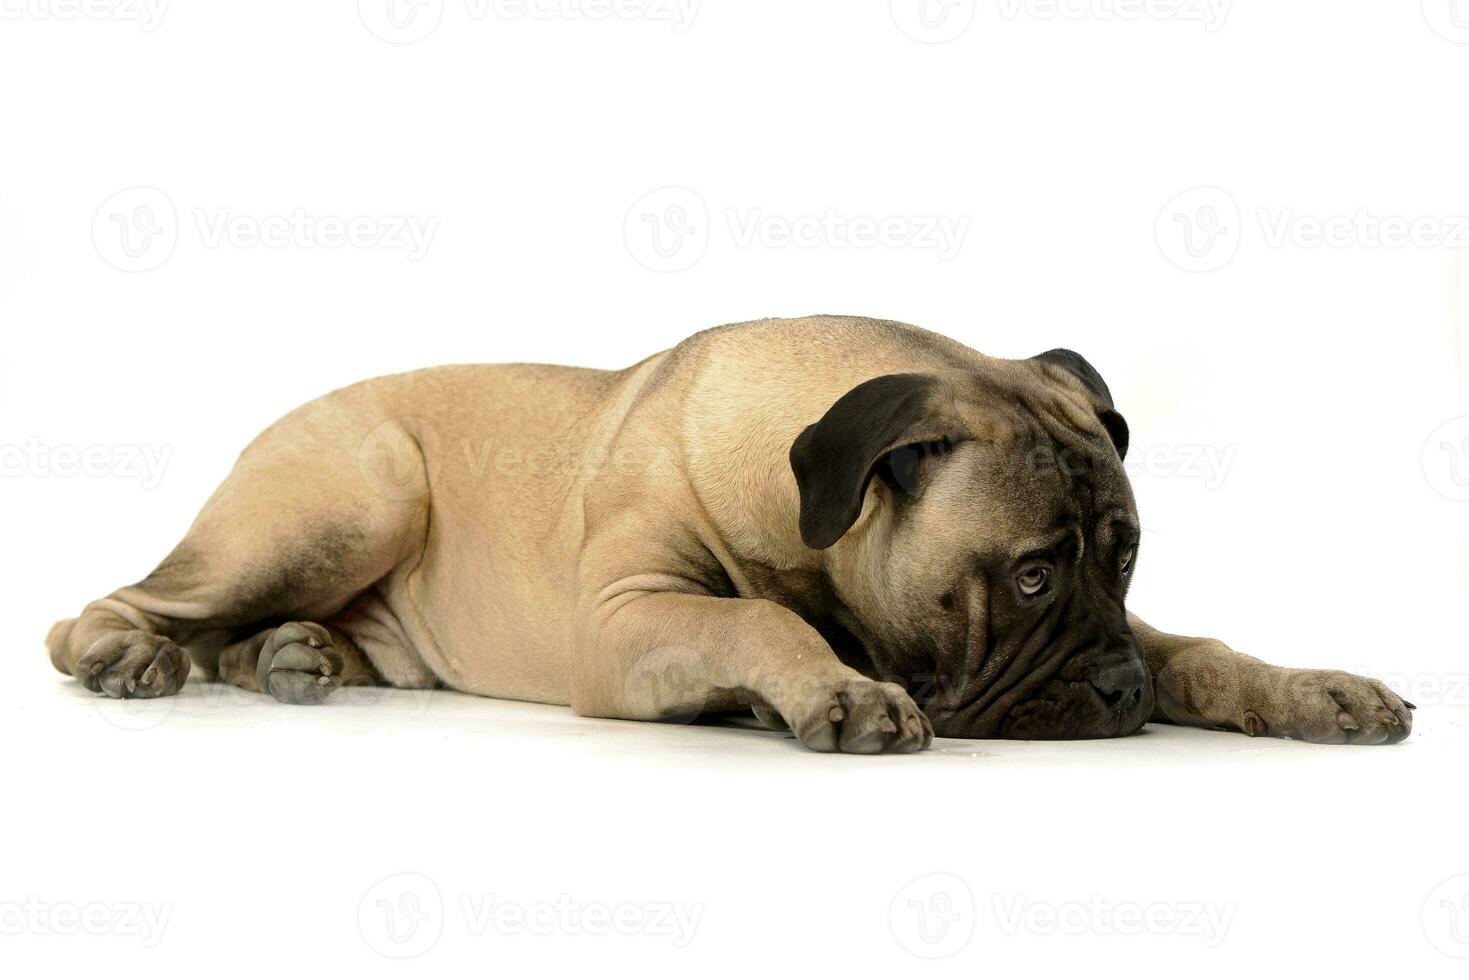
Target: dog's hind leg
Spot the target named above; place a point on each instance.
(304, 523)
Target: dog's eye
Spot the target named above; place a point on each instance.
(1033, 579)
(1128, 554)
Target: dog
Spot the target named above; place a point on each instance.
(862, 532)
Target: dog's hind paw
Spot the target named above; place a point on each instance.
(133, 664)
(299, 665)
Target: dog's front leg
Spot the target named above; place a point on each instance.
(1202, 682)
(659, 655)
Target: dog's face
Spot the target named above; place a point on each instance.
(982, 532)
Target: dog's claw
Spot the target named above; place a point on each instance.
(863, 717)
(132, 663)
(297, 664)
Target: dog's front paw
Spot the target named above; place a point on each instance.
(860, 716)
(1330, 706)
(298, 664)
(133, 664)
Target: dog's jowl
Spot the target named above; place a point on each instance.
(859, 530)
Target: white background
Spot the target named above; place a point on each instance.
(1315, 377)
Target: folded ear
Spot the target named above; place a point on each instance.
(1078, 367)
(889, 425)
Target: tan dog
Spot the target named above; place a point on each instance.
(858, 529)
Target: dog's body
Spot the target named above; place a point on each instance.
(728, 523)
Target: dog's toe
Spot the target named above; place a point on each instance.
(863, 718)
(298, 664)
(133, 664)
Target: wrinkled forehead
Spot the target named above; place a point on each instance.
(1029, 486)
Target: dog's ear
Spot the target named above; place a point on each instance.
(1078, 367)
(887, 427)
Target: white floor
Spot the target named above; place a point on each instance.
(218, 830)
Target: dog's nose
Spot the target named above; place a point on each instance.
(1120, 684)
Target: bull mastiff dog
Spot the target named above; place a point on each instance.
(859, 530)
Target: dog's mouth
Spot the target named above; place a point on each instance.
(1086, 699)
(1076, 710)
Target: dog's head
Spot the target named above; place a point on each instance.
(981, 531)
